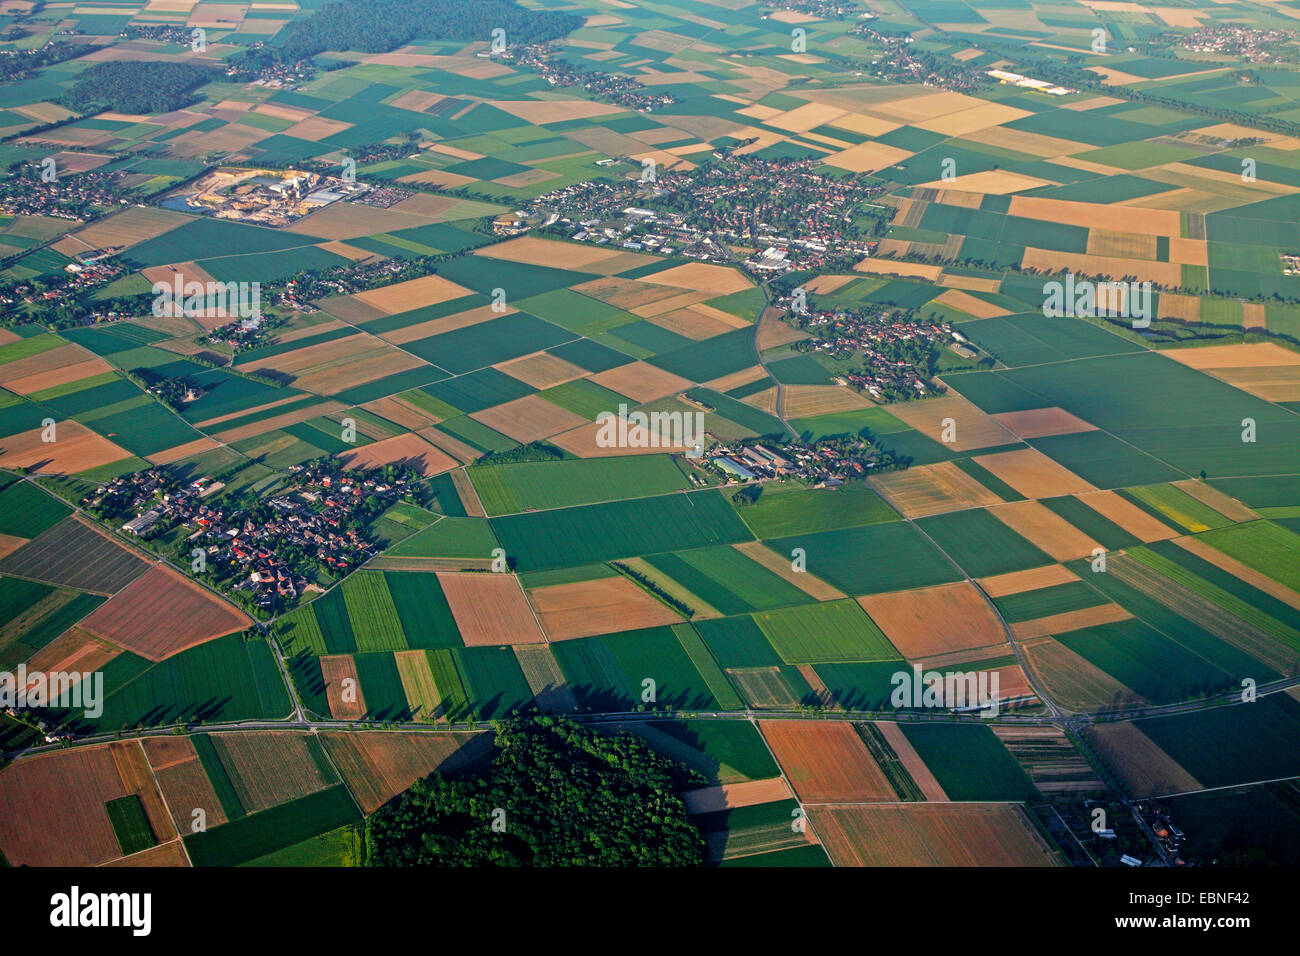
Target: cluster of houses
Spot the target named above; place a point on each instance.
(824, 464)
(65, 196)
(619, 90)
(880, 340)
(1255, 46)
(273, 553)
(791, 216)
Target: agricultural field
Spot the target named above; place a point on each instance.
(705, 369)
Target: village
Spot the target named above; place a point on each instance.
(899, 353)
(266, 554)
(782, 214)
(827, 463)
(614, 88)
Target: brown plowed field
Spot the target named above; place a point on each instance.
(377, 766)
(1033, 474)
(935, 620)
(932, 489)
(1042, 422)
(185, 784)
(161, 613)
(410, 451)
(587, 608)
(930, 834)
(826, 762)
(270, 768)
(1049, 531)
(490, 609)
(335, 668)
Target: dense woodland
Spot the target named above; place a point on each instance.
(377, 26)
(136, 86)
(559, 793)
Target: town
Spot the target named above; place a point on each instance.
(791, 216)
(265, 553)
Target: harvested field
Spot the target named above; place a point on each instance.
(1049, 261)
(1212, 497)
(729, 796)
(404, 296)
(736, 379)
(1042, 422)
(1048, 530)
(177, 452)
(1174, 306)
(931, 489)
(1138, 761)
(972, 428)
(490, 609)
(868, 157)
(826, 762)
(257, 428)
(270, 768)
(67, 790)
(1068, 621)
(73, 652)
(1113, 218)
(377, 766)
(448, 323)
(926, 834)
(76, 554)
(1248, 637)
(971, 305)
(170, 854)
(587, 608)
(1018, 582)
(335, 669)
(1238, 570)
(893, 267)
(773, 332)
(58, 366)
(996, 182)
(551, 692)
(418, 685)
(701, 277)
(184, 782)
(131, 226)
(1050, 760)
(529, 419)
(1121, 245)
(805, 401)
(541, 370)
(1128, 516)
(763, 687)
(625, 293)
(935, 620)
(75, 449)
(1033, 474)
(1073, 683)
(161, 613)
(916, 768)
(409, 451)
(1262, 369)
(641, 382)
(693, 322)
(400, 413)
(780, 565)
(579, 257)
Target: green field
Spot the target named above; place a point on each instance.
(619, 529)
(830, 631)
(525, 486)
